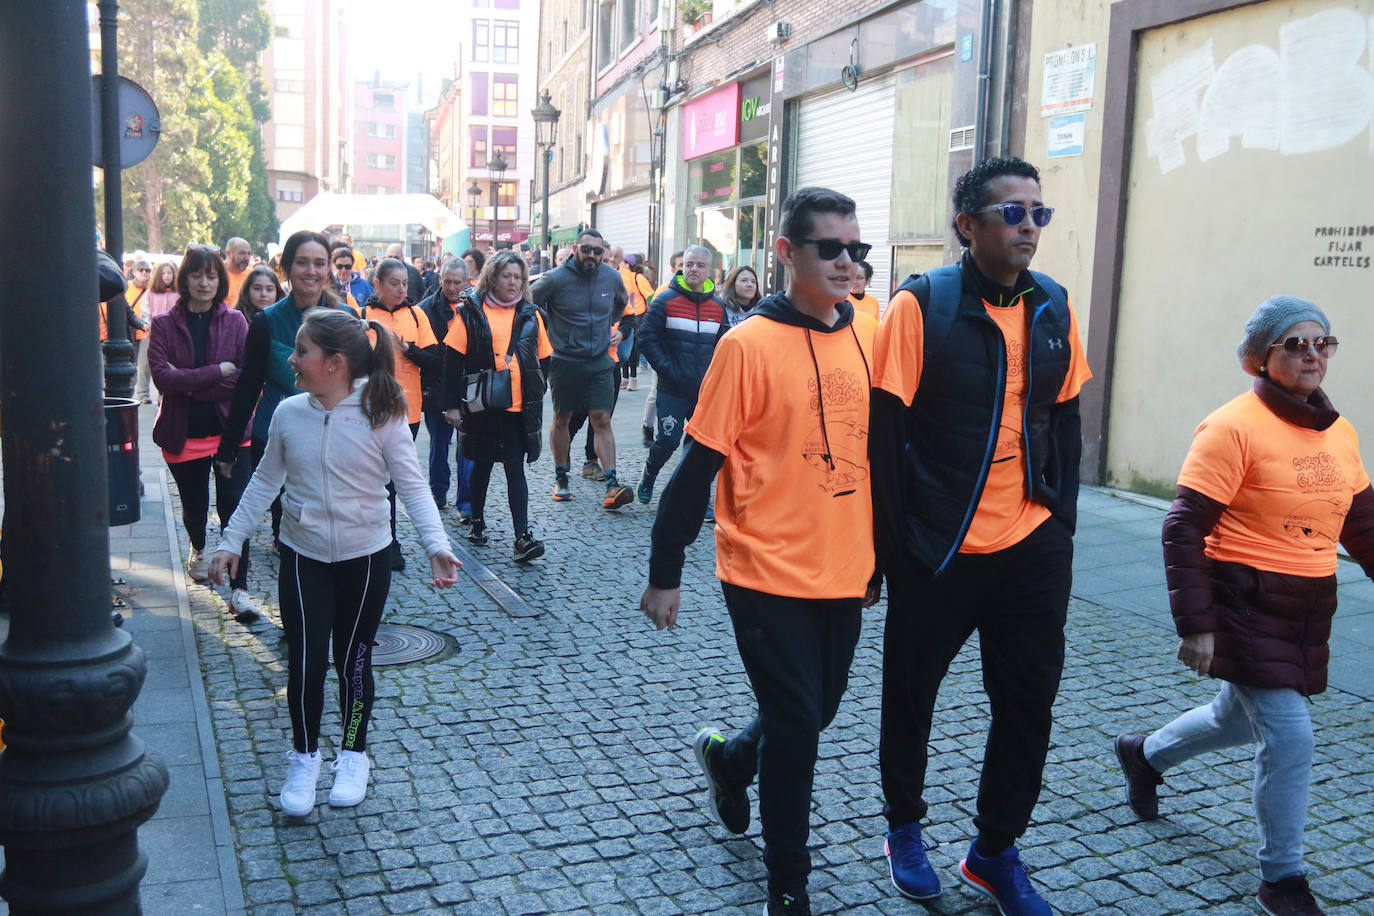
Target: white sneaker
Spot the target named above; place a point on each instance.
(298, 794)
(242, 606)
(195, 566)
(350, 779)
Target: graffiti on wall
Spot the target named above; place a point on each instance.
(1316, 92)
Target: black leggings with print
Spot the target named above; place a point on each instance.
(318, 599)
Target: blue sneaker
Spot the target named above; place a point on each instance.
(645, 491)
(1003, 877)
(910, 868)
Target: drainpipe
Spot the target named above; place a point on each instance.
(981, 114)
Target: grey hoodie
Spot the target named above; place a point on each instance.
(580, 307)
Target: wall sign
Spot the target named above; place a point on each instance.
(1069, 78)
(1066, 135)
(711, 122)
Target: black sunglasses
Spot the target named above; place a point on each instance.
(1015, 214)
(1298, 346)
(590, 249)
(343, 264)
(830, 249)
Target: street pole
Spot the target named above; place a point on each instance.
(544, 258)
(75, 784)
(119, 353)
(495, 210)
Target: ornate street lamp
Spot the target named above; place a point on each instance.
(546, 133)
(497, 166)
(475, 193)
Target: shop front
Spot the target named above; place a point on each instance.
(619, 181)
(872, 110)
(725, 147)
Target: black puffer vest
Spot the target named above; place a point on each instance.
(954, 418)
(480, 438)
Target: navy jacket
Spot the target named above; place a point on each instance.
(929, 461)
(679, 334)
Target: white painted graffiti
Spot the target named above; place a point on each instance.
(1312, 94)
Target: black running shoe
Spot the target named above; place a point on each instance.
(729, 805)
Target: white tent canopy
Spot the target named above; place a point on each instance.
(373, 210)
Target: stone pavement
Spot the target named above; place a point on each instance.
(542, 764)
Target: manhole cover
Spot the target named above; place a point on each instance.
(401, 644)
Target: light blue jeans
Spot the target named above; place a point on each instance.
(1278, 724)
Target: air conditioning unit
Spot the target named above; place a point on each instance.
(779, 31)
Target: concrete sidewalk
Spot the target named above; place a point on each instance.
(542, 766)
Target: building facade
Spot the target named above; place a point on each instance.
(307, 142)
(565, 71)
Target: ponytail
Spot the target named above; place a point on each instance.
(383, 398)
(336, 331)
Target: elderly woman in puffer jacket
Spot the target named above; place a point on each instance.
(1272, 483)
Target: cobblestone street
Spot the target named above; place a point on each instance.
(542, 764)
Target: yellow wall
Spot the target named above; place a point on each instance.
(1233, 170)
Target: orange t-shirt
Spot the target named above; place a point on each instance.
(865, 305)
(789, 522)
(413, 326)
(500, 321)
(1005, 516)
(235, 283)
(138, 299)
(1287, 489)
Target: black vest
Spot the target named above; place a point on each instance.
(480, 438)
(953, 420)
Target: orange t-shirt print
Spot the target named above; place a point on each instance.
(1287, 489)
(789, 522)
(1005, 516)
(501, 321)
(413, 326)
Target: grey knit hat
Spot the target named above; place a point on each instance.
(1274, 316)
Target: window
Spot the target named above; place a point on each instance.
(288, 26)
(383, 100)
(504, 100)
(288, 85)
(503, 142)
(508, 4)
(288, 189)
(387, 131)
(381, 161)
(505, 42)
(505, 193)
(289, 136)
(605, 35)
(481, 40)
(379, 189)
(479, 148)
(629, 22)
(479, 93)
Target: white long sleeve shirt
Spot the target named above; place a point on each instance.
(335, 467)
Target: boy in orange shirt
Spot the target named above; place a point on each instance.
(975, 449)
(783, 416)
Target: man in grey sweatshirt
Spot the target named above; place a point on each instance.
(582, 301)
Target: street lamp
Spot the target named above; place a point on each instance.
(546, 132)
(474, 192)
(497, 166)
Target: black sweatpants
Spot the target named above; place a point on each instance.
(512, 443)
(1017, 600)
(259, 447)
(193, 486)
(317, 600)
(797, 653)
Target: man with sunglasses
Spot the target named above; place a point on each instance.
(582, 300)
(783, 417)
(975, 450)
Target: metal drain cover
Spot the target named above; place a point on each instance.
(401, 644)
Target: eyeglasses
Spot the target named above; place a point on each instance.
(143, 270)
(343, 265)
(1298, 346)
(1015, 214)
(830, 249)
(591, 249)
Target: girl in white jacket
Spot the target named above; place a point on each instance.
(334, 448)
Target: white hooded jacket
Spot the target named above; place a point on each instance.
(335, 467)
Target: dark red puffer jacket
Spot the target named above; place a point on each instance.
(1271, 628)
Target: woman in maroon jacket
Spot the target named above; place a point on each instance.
(1272, 483)
(194, 352)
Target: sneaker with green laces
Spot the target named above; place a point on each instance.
(729, 805)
